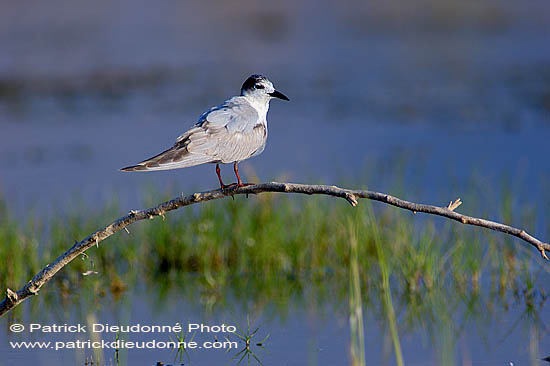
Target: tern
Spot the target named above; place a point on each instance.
(231, 132)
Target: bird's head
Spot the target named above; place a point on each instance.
(259, 87)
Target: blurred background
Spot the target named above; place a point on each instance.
(420, 98)
(450, 86)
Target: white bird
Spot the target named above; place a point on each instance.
(231, 132)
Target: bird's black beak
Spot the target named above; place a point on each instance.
(278, 94)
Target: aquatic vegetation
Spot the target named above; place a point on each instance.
(262, 253)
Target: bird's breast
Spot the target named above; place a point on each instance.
(243, 145)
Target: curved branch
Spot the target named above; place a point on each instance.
(32, 287)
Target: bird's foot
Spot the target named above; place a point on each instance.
(229, 187)
(233, 186)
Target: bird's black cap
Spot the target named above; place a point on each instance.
(251, 81)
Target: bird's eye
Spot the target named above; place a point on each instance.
(258, 86)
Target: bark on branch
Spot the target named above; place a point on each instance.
(32, 287)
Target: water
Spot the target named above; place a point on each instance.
(478, 331)
(447, 90)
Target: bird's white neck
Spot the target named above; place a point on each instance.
(261, 105)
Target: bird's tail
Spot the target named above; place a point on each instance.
(172, 158)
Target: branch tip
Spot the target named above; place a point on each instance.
(453, 205)
(351, 199)
(542, 252)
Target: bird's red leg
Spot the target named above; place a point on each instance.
(223, 186)
(236, 169)
(239, 181)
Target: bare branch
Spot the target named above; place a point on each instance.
(32, 287)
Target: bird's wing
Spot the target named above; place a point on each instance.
(236, 114)
(225, 146)
(226, 133)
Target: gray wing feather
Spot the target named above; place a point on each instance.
(235, 114)
(226, 133)
(173, 158)
(225, 146)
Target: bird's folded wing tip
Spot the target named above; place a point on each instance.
(132, 168)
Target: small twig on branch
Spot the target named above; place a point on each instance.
(32, 287)
(454, 205)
